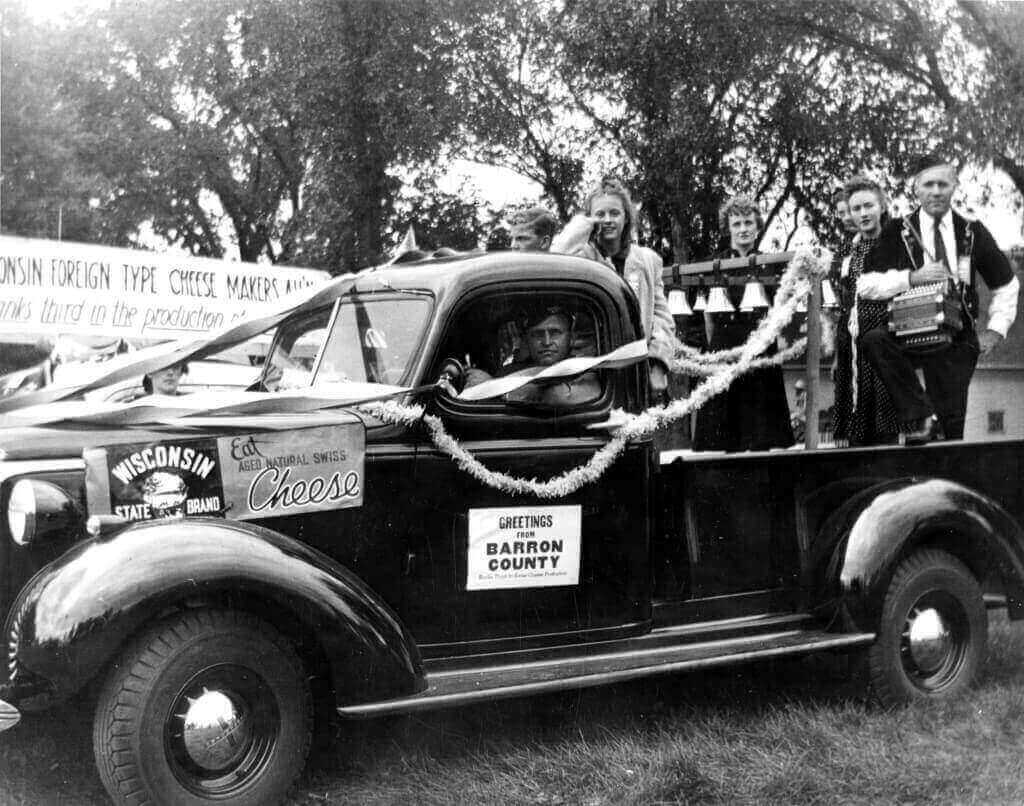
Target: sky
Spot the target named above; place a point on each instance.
(496, 186)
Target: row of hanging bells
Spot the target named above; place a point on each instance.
(716, 300)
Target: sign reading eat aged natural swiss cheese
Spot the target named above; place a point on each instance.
(243, 477)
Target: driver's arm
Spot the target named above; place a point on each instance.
(475, 375)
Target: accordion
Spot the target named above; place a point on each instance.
(928, 317)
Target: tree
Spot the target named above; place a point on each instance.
(46, 191)
(284, 124)
(189, 124)
(440, 219)
(706, 99)
(291, 129)
(378, 94)
(516, 112)
(960, 61)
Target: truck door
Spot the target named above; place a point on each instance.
(504, 570)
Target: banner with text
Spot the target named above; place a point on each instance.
(62, 287)
(523, 547)
(242, 477)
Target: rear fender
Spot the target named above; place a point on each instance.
(75, 615)
(866, 538)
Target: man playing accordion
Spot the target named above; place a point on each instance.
(930, 247)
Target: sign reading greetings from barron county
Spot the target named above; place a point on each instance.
(243, 477)
(63, 287)
(523, 547)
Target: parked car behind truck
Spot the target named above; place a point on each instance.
(399, 582)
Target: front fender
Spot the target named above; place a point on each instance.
(79, 610)
(867, 537)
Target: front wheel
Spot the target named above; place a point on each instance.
(933, 630)
(208, 706)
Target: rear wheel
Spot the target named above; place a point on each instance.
(209, 706)
(933, 630)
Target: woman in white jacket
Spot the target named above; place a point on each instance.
(604, 231)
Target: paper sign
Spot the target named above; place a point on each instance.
(241, 477)
(523, 547)
(62, 287)
(289, 472)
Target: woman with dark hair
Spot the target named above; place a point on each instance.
(164, 382)
(863, 412)
(753, 413)
(605, 230)
(841, 204)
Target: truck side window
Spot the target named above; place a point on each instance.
(290, 363)
(515, 334)
(371, 340)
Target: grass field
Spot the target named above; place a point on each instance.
(784, 732)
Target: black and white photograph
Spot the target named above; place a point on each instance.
(531, 402)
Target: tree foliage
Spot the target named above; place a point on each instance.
(959, 62)
(709, 99)
(377, 91)
(46, 190)
(439, 218)
(291, 130)
(516, 104)
(281, 124)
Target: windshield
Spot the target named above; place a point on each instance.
(372, 339)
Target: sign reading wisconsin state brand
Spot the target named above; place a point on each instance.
(146, 481)
(242, 477)
(289, 472)
(523, 547)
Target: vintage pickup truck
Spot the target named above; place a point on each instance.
(212, 643)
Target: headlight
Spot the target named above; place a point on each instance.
(37, 509)
(21, 512)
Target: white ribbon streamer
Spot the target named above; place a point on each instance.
(626, 355)
(149, 410)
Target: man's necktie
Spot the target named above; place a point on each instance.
(940, 246)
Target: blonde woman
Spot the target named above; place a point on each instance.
(604, 230)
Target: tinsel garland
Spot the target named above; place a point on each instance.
(792, 287)
(685, 366)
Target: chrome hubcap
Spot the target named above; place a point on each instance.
(934, 641)
(929, 639)
(222, 730)
(216, 730)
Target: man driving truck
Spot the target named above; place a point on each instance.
(549, 338)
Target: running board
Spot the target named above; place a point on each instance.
(464, 686)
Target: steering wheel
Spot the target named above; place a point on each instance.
(452, 375)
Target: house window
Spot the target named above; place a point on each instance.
(995, 422)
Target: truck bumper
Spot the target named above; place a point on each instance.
(9, 716)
